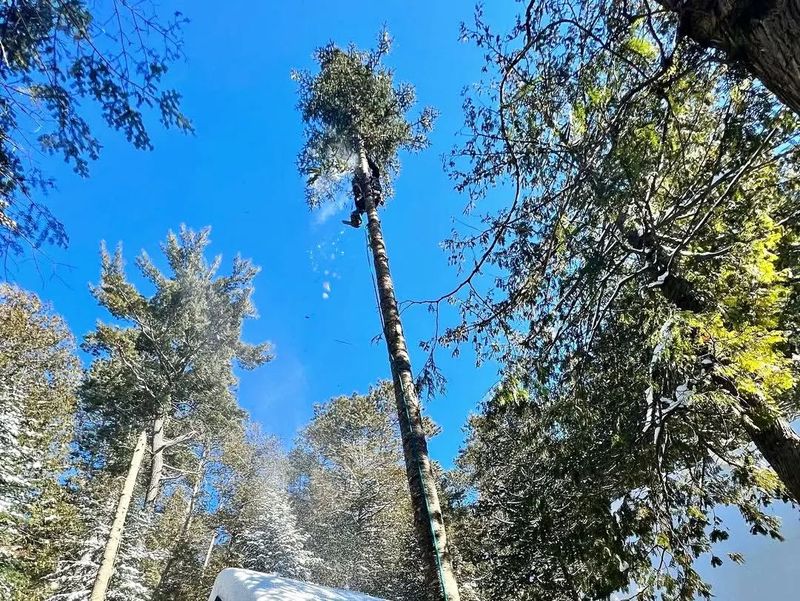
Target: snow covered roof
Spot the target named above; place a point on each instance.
(233, 584)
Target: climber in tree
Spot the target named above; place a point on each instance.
(359, 193)
(375, 182)
(358, 197)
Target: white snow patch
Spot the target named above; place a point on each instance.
(233, 584)
(683, 394)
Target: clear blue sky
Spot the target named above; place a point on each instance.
(238, 175)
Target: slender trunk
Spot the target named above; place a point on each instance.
(763, 35)
(428, 517)
(187, 520)
(198, 482)
(115, 536)
(207, 560)
(157, 462)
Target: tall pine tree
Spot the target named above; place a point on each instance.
(356, 123)
(165, 367)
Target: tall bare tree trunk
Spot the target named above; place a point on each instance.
(763, 35)
(115, 536)
(428, 518)
(157, 446)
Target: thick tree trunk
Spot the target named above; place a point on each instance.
(773, 436)
(428, 517)
(763, 35)
(157, 446)
(115, 536)
(780, 446)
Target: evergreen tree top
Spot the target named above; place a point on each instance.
(354, 98)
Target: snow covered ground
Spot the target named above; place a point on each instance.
(233, 584)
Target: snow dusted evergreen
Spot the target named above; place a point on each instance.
(271, 540)
(352, 497)
(15, 467)
(335, 512)
(231, 497)
(76, 573)
(73, 578)
(264, 532)
(130, 582)
(38, 376)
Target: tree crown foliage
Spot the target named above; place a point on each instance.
(351, 494)
(171, 353)
(645, 309)
(353, 99)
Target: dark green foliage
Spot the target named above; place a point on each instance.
(644, 305)
(354, 99)
(54, 55)
(576, 498)
(176, 353)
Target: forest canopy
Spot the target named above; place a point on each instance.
(622, 276)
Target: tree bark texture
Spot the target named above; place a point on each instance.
(780, 446)
(428, 519)
(157, 446)
(106, 570)
(772, 434)
(762, 35)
